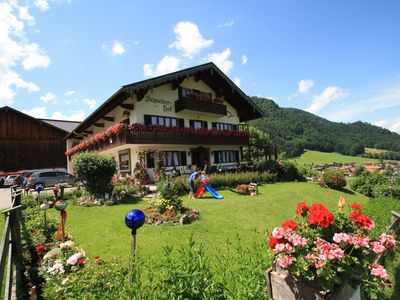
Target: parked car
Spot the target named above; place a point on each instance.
(10, 179)
(49, 178)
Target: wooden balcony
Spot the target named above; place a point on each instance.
(182, 139)
(190, 104)
(167, 138)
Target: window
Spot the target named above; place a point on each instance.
(48, 174)
(124, 161)
(164, 121)
(224, 126)
(198, 124)
(226, 156)
(174, 158)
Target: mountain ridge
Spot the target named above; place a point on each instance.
(293, 130)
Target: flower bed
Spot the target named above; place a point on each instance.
(247, 189)
(331, 249)
(185, 215)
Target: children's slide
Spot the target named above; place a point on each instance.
(213, 192)
(200, 191)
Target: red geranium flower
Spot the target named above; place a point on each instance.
(97, 257)
(40, 248)
(302, 209)
(356, 206)
(289, 224)
(81, 261)
(362, 220)
(320, 215)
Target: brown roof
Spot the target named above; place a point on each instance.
(208, 73)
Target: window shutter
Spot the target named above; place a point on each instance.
(236, 156)
(205, 124)
(147, 119)
(183, 158)
(181, 123)
(191, 123)
(235, 128)
(213, 125)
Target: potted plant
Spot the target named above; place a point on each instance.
(319, 255)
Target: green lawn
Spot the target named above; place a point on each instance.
(316, 157)
(101, 230)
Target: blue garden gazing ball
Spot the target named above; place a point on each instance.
(38, 188)
(134, 219)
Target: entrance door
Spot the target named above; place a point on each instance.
(201, 157)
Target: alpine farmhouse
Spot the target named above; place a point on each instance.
(190, 118)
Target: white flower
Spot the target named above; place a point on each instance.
(57, 268)
(67, 245)
(74, 259)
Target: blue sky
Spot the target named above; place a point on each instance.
(337, 59)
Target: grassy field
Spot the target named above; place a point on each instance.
(101, 230)
(375, 150)
(316, 157)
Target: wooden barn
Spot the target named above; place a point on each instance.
(28, 143)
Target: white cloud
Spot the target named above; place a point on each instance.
(189, 39)
(391, 124)
(24, 15)
(305, 85)
(10, 79)
(76, 115)
(167, 64)
(227, 24)
(367, 103)
(236, 80)
(37, 112)
(244, 59)
(43, 5)
(34, 57)
(15, 49)
(118, 48)
(91, 103)
(148, 70)
(48, 97)
(328, 95)
(69, 93)
(221, 60)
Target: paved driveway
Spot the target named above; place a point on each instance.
(5, 198)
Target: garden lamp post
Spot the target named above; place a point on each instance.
(38, 189)
(45, 206)
(134, 220)
(60, 205)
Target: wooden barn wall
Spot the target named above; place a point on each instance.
(27, 143)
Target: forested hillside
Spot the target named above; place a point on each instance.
(294, 130)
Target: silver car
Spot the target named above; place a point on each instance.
(49, 178)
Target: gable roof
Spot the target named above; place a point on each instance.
(65, 125)
(209, 73)
(41, 121)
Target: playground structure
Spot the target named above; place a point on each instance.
(205, 186)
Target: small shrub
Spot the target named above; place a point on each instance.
(95, 171)
(288, 171)
(334, 179)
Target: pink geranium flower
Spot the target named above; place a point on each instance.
(378, 271)
(285, 261)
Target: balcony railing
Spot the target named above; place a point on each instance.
(197, 104)
(120, 134)
(149, 137)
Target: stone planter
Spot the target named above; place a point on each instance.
(283, 286)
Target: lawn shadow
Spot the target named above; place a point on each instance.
(133, 200)
(396, 293)
(346, 191)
